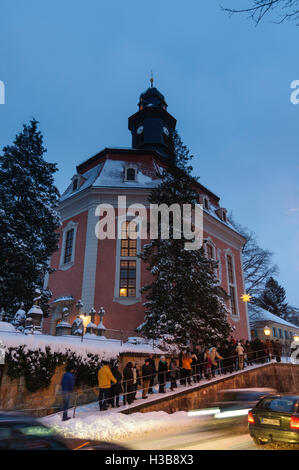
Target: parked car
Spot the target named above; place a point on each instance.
(21, 432)
(275, 419)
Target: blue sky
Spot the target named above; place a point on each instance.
(79, 67)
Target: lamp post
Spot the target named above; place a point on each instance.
(91, 328)
(101, 327)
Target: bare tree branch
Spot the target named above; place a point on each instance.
(285, 9)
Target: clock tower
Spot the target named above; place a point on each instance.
(152, 125)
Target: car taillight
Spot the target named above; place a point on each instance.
(294, 424)
(250, 417)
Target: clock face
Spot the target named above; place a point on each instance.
(165, 130)
(140, 130)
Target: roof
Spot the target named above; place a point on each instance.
(261, 315)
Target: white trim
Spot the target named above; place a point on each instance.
(131, 166)
(90, 261)
(70, 226)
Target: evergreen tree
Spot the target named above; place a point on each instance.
(183, 303)
(273, 299)
(28, 218)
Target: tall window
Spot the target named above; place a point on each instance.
(210, 251)
(232, 285)
(127, 284)
(128, 251)
(68, 246)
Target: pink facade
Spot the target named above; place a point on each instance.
(106, 273)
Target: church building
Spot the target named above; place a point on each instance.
(108, 273)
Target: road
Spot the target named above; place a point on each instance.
(194, 441)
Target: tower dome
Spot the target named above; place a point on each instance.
(152, 125)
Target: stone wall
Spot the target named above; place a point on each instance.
(15, 396)
(282, 377)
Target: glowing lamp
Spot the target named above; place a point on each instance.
(296, 338)
(267, 331)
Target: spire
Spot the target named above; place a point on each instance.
(152, 79)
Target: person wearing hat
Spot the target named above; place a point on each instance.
(146, 375)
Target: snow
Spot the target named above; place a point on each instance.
(112, 175)
(259, 314)
(117, 426)
(4, 326)
(106, 348)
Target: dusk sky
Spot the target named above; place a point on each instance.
(79, 68)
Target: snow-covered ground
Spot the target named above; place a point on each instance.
(105, 348)
(112, 425)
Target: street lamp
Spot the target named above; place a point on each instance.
(267, 331)
(296, 338)
(101, 327)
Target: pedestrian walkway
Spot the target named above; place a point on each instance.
(82, 410)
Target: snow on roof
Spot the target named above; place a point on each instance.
(107, 348)
(90, 176)
(112, 175)
(259, 315)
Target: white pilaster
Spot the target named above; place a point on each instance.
(90, 260)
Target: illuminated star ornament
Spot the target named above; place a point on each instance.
(246, 297)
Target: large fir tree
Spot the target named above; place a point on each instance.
(273, 299)
(28, 217)
(183, 303)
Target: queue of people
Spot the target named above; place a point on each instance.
(190, 367)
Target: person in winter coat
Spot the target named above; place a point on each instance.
(105, 378)
(116, 388)
(136, 379)
(208, 364)
(249, 353)
(162, 374)
(67, 385)
(186, 367)
(240, 352)
(277, 350)
(146, 376)
(128, 383)
(214, 355)
(153, 373)
(173, 374)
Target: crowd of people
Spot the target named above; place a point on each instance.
(190, 366)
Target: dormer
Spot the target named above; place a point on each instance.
(131, 171)
(205, 201)
(222, 213)
(76, 182)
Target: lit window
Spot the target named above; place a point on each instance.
(68, 246)
(128, 244)
(127, 282)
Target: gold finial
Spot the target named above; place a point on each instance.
(152, 79)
